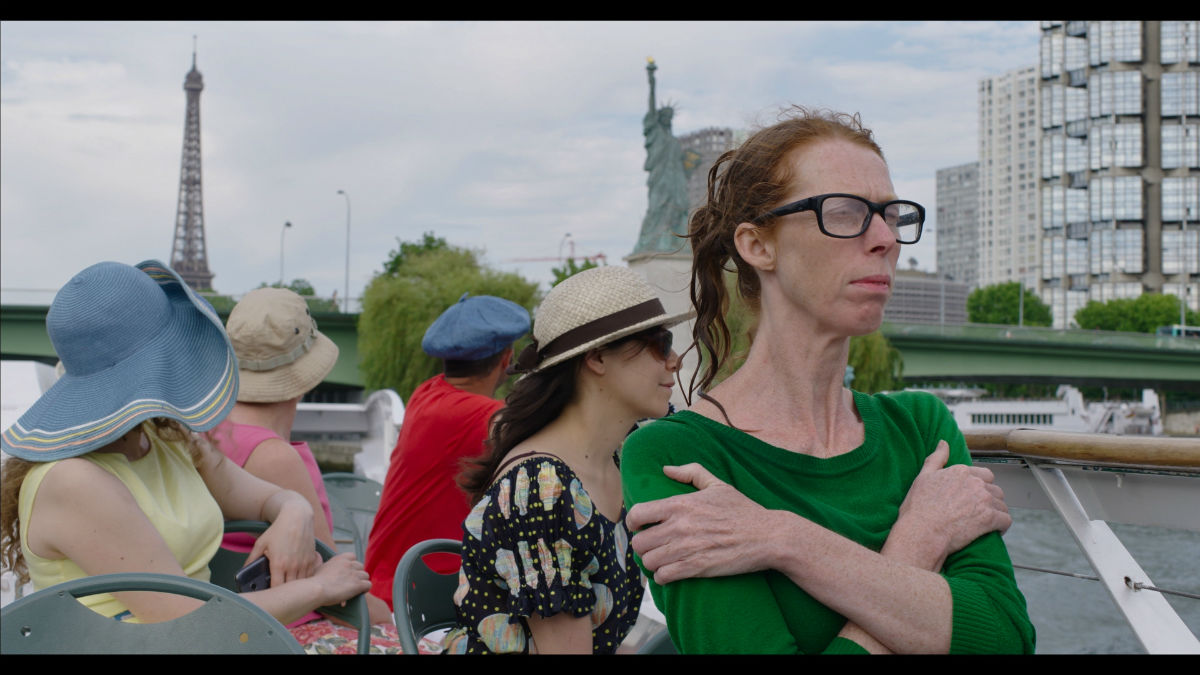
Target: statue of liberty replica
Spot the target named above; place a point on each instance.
(667, 212)
(662, 255)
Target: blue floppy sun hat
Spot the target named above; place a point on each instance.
(135, 343)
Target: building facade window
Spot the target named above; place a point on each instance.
(1114, 251)
(1115, 93)
(1105, 291)
(1181, 250)
(1180, 198)
(1181, 146)
(1180, 41)
(1110, 41)
(1116, 198)
(1077, 256)
(1115, 145)
(1054, 206)
(1181, 94)
(1052, 258)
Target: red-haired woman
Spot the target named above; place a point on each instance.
(821, 519)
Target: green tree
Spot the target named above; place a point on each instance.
(418, 282)
(1143, 314)
(570, 268)
(223, 304)
(1001, 304)
(877, 365)
(303, 287)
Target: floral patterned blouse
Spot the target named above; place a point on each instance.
(535, 543)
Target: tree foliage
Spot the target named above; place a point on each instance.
(878, 366)
(1143, 314)
(418, 282)
(304, 288)
(570, 268)
(1000, 304)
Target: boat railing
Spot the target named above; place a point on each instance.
(1091, 479)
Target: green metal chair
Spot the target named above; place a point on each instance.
(423, 600)
(52, 621)
(226, 563)
(659, 643)
(354, 500)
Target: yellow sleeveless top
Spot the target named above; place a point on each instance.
(169, 490)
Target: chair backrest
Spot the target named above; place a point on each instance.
(226, 563)
(52, 621)
(354, 500)
(422, 599)
(659, 643)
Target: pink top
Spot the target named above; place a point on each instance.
(238, 442)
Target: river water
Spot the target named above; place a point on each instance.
(1077, 616)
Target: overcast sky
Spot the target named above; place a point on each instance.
(503, 137)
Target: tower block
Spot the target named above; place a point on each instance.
(189, 256)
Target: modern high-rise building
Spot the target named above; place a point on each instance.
(1120, 174)
(700, 150)
(926, 297)
(958, 223)
(1009, 234)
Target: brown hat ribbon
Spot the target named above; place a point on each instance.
(592, 330)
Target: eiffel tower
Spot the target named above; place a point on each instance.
(188, 254)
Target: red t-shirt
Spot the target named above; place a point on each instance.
(420, 501)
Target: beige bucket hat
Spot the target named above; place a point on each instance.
(281, 354)
(591, 309)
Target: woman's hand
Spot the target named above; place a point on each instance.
(946, 508)
(341, 578)
(713, 532)
(288, 542)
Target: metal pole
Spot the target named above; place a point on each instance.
(346, 289)
(1021, 303)
(1183, 263)
(560, 245)
(282, 231)
(942, 311)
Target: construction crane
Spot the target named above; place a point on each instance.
(598, 258)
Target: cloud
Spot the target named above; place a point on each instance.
(502, 136)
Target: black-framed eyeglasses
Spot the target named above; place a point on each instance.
(846, 216)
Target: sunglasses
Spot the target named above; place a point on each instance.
(658, 341)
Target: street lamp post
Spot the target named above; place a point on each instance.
(346, 290)
(1021, 302)
(1183, 215)
(282, 231)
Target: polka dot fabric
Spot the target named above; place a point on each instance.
(536, 544)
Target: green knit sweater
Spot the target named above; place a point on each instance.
(856, 494)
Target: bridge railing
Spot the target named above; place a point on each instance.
(1040, 334)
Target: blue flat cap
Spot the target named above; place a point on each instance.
(475, 328)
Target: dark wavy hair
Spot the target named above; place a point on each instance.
(743, 184)
(534, 401)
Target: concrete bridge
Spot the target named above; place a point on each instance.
(968, 352)
(23, 336)
(988, 353)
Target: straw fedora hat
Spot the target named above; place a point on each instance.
(281, 354)
(135, 343)
(591, 309)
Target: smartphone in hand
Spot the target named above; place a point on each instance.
(254, 577)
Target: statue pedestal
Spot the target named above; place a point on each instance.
(670, 275)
